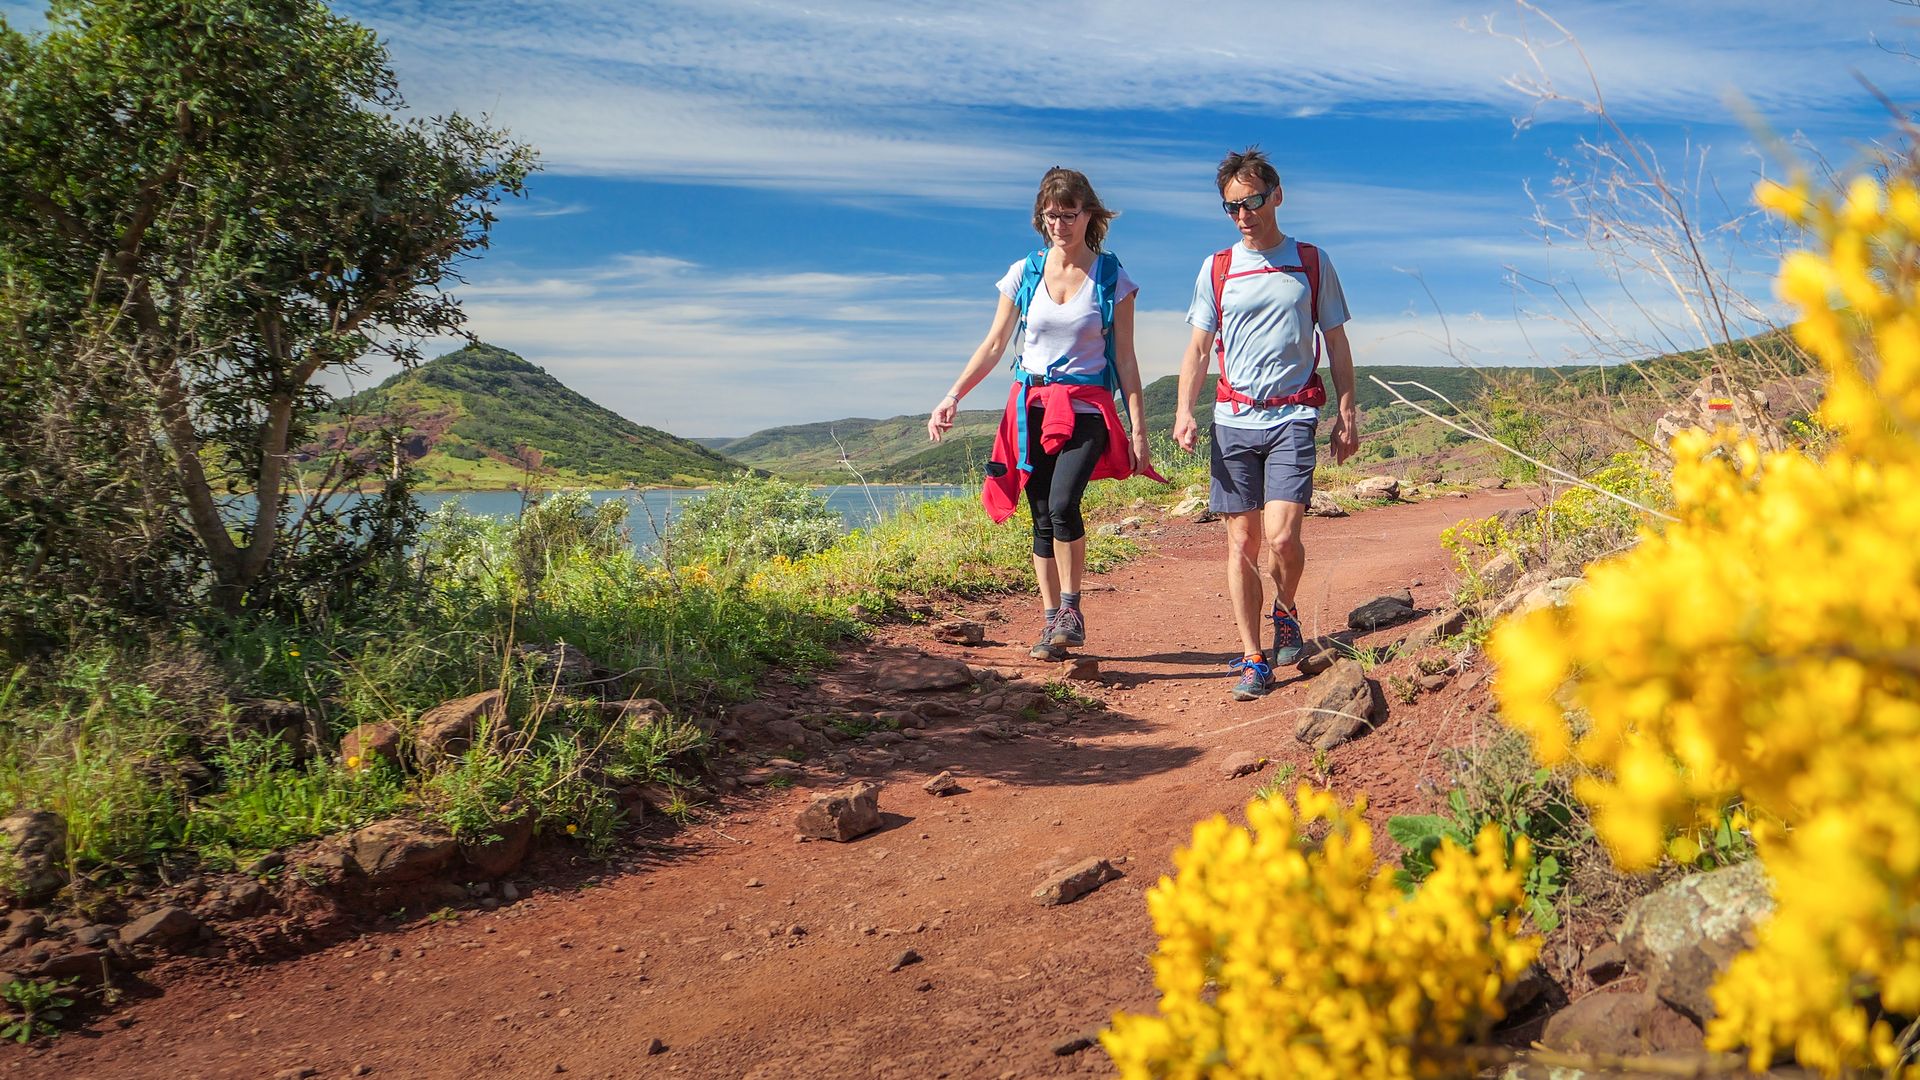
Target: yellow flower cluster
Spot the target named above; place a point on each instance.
(1767, 647)
(1283, 955)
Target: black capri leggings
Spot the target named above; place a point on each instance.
(1057, 481)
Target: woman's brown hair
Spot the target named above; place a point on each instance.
(1065, 187)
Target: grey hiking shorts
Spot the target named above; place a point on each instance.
(1255, 466)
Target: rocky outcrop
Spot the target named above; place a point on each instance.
(1342, 709)
(36, 845)
(450, 728)
(1681, 937)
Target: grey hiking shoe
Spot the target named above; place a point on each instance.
(1287, 641)
(1256, 679)
(1044, 649)
(1069, 629)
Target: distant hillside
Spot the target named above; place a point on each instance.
(474, 418)
(896, 450)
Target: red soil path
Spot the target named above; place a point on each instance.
(687, 941)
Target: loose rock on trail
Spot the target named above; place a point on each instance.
(662, 962)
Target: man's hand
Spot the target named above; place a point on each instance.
(1186, 432)
(1344, 439)
(1138, 452)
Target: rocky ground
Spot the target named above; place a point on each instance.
(968, 904)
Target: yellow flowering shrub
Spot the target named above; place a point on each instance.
(1766, 648)
(1285, 956)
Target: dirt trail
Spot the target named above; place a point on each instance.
(689, 942)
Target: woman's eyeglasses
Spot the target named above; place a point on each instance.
(1251, 202)
(1062, 217)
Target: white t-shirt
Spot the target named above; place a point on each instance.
(1269, 329)
(1065, 339)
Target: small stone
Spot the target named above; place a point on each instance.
(1074, 882)
(655, 1046)
(842, 815)
(1069, 1047)
(1604, 963)
(906, 957)
(925, 985)
(299, 1072)
(943, 784)
(1242, 763)
(960, 632)
(362, 1070)
(1081, 669)
(1436, 681)
(1381, 612)
(755, 883)
(160, 927)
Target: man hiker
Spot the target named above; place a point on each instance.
(1262, 307)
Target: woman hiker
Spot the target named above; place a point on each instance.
(1071, 305)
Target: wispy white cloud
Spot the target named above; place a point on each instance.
(854, 94)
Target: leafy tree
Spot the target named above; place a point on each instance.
(224, 200)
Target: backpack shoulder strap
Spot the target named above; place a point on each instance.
(1106, 282)
(1222, 260)
(1310, 263)
(1032, 273)
(1031, 276)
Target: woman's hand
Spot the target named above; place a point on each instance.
(1140, 453)
(941, 420)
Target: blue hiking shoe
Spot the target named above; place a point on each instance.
(1044, 649)
(1287, 640)
(1256, 679)
(1069, 629)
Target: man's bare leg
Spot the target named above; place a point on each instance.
(1243, 576)
(1286, 555)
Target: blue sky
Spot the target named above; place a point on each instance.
(763, 213)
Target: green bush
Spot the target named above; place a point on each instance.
(748, 521)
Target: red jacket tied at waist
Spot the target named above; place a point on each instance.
(1001, 494)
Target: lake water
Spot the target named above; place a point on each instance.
(653, 509)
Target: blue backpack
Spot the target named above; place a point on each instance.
(1106, 276)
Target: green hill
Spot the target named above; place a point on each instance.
(475, 419)
(896, 450)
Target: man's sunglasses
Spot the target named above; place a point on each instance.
(1251, 202)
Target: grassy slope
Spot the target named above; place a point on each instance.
(897, 450)
(470, 413)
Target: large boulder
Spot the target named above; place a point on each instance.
(160, 927)
(1682, 936)
(561, 666)
(1619, 1023)
(297, 727)
(397, 851)
(504, 851)
(842, 815)
(1321, 504)
(1382, 611)
(922, 673)
(449, 728)
(368, 743)
(35, 843)
(1377, 487)
(1342, 709)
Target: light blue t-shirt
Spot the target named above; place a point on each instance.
(1269, 329)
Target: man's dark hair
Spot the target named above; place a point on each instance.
(1250, 165)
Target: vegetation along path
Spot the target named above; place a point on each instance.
(732, 949)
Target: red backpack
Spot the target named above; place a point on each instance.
(1314, 393)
